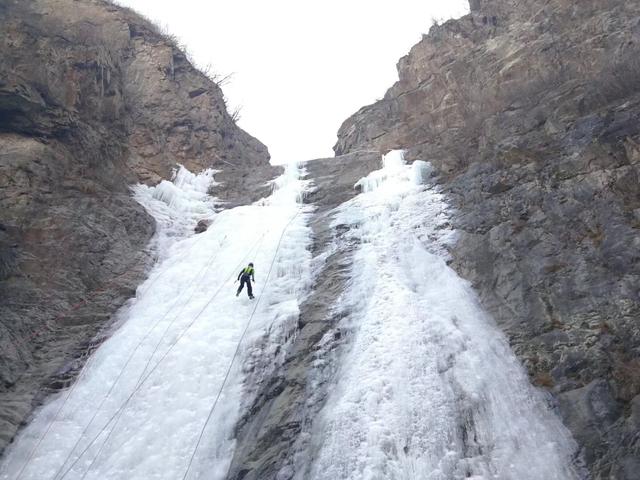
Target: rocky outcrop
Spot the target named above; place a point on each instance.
(92, 99)
(529, 111)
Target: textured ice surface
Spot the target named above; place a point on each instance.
(177, 337)
(429, 389)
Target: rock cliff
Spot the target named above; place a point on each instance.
(529, 111)
(93, 98)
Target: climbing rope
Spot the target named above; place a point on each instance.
(143, 380)
(237, 350)
(86, 366)
(200, 274)
(253, 250)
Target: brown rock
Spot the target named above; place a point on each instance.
(202, 226)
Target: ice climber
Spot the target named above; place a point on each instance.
(245, 276)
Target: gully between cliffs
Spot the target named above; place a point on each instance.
(363, 354)
(396, 372)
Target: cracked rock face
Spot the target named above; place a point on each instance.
(92, 99)
(529, 110)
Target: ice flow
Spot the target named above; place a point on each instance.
(428, 388)
(140, 404)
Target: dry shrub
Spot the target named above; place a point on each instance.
(543, 379)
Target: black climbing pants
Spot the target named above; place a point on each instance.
(246, 280)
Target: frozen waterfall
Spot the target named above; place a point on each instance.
(140, 404)
(429, 388)
(426, 387)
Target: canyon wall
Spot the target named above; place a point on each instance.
(93, 99)
(529, 112)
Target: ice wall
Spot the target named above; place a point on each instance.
(428, 388)
(146, 395)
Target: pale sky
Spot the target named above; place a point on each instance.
(300, 68)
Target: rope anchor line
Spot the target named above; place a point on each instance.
(141, 381)
(87, 365)
(62, 472)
